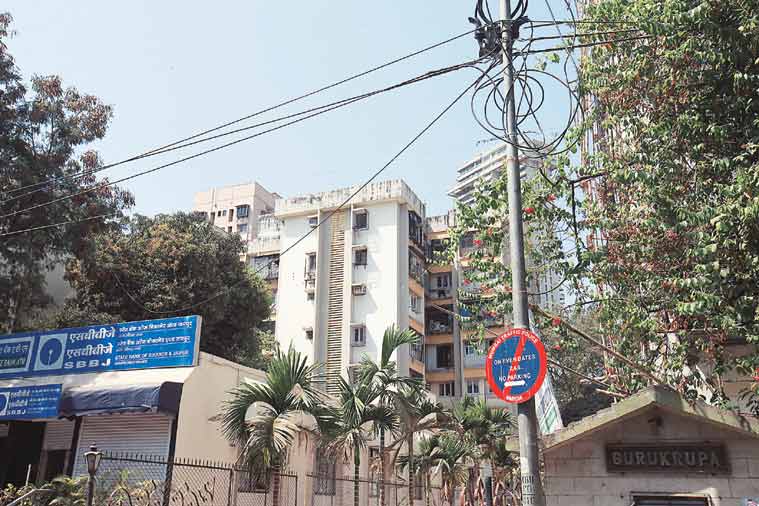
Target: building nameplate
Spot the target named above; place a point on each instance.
(691, 457)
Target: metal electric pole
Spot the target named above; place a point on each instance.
(532, 487)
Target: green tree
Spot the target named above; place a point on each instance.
(357, 420)
(417, 414)
(172, 265)
(383, 377)
(263, 419)
(656, 230)
(422, 463)
(45, 131)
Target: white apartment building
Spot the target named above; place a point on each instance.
(358, 271)
(481, 170)
(236, 208)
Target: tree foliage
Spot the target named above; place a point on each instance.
(45, 130)
(657, 230)
(166, 266)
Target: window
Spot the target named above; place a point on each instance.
(310, 263)
(229, 229)
(444, 281)
(447, 389)
(243, 211)
(360, 219)
(473, 387)
(211, 216)
(358, 335)
(310, 295)
(444, 356)
(670, 501)
(470, 349)
(313, 221)
(359, 289)
(325, 473)
(360, 256)
(413, 302)
(231, 214)
(224, 212)
(218, 214)
(310, 334)
(242, 229)
(467, 240)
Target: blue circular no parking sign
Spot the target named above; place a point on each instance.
(516, 365)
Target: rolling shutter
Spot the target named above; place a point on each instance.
(58, 435)
(143, 434)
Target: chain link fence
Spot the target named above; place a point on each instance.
(343, 491)
(135, 480)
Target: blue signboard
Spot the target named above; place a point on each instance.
(171, 342)
(27, 403)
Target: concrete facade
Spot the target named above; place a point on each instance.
(323, 289)
(577, 473)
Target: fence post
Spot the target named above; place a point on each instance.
(231, 483)
(167, 482)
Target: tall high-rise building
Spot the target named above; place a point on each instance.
(483, 169)
(359, 271)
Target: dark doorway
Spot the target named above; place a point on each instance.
(21, 449)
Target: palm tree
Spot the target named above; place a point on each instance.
(354, 422)
(264, 419)
(482, 426)
(423, 463)
(417, 413)
(454, 457)
(383, 376)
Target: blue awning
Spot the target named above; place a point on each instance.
(163, 398)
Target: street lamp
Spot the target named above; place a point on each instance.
(93, 461)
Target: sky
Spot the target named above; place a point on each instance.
(173, 68)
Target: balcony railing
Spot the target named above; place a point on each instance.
(416, 351)
(438, 327)
(440, 293)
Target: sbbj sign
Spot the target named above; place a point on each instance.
(170, 342)
(698, 458)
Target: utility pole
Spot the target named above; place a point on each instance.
(532, 487)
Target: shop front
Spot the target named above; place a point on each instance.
(49, 417)
(654, 449)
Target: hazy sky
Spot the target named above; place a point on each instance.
(172, 68)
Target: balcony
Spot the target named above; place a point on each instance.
(440, 293)
(416, 351)
(439, 327)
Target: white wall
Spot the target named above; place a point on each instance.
(294, 311)
(386, 289)
(199, 433)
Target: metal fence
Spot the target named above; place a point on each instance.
(136, 480)
(334, 491)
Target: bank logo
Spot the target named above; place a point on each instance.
(3, 403)
(50, 352)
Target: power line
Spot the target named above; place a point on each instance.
(550, 361)
(318, 111)
(60, 224)
(161, 149)
(322, 221)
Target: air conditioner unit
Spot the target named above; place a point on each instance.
(359, 289)
(313, 221)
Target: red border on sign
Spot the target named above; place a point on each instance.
(529, 394)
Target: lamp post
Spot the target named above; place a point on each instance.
(93, 461)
